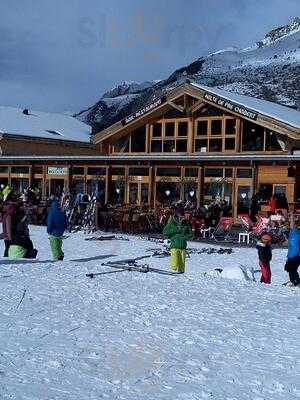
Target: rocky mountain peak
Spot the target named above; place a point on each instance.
(270, 70)
(280, 32)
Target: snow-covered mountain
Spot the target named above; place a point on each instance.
(270, 70)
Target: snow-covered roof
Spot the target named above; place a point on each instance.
(281, 113)
(40, 124)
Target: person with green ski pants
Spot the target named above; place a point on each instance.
(179, 232)
(56, 225)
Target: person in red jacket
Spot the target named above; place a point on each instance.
(265, 256)
(273, 204)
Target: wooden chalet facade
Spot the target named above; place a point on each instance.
(194, 144)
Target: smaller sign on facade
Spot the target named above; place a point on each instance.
(245, 112)
(57, 170)
(143, 111)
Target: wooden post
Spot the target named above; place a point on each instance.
(68, 179)
(85, 171)
(147, 138)
(182, 183)
(30, 175)
(150, 193)
(107, 184)
(154, 186)
(44, 181)
(241, 127)
(190, 140)
(126, 185)
(255, 177)
(238, 135)
(234, 194)
(200, 187)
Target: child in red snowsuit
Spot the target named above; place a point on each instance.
(265, 256)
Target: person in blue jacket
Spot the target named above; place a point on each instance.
(56, 225)
(293, 256)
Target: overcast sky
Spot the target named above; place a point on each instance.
(61, 55)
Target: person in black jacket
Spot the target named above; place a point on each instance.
(20, 235)
(265, 256)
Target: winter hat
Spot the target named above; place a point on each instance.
(265, 237)
(179, 211)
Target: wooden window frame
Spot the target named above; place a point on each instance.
(264, 143)
(129, 135)
(208, 137)
(176, 136)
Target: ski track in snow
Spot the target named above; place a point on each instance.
(147, 336)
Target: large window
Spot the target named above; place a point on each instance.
(20, 170)
(218, 172)
(272, 142)
(138, 140)
(77, 170)
(244, 173)
(191, 172)
(169, 136)
(258, 138)
(215, 135)
(101, 171)
(218, 190)
(135, 142)
(218, 186)
(138, 171)
(252, 137)
(97, 187)
(169, 172)
(167, 193)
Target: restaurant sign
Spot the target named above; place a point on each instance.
(144, 110)
(57, 170)
(245, 112)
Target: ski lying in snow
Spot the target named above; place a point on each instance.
(109, 237)
(93, 274)
(137, 268)
(152, 239)
(290, 284)
(160, 253)
(141, 268)
(210, 250)
(128, 261)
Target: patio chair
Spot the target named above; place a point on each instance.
(222, 230)
(246, 221)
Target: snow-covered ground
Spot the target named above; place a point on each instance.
(139, 336)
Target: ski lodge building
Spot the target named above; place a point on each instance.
(193, 144)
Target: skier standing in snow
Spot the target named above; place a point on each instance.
(265, 256)
(178, 231)
(9, 210)
(293, 256)
(56, 225)
(21, 245)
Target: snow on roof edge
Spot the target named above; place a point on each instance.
(242, 100)
(43, 125)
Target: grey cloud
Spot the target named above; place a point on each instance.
(72, 51)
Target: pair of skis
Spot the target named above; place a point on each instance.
(107, 237)
(130, 265)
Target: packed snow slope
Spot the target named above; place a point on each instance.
(137, 336)
(270, 70)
